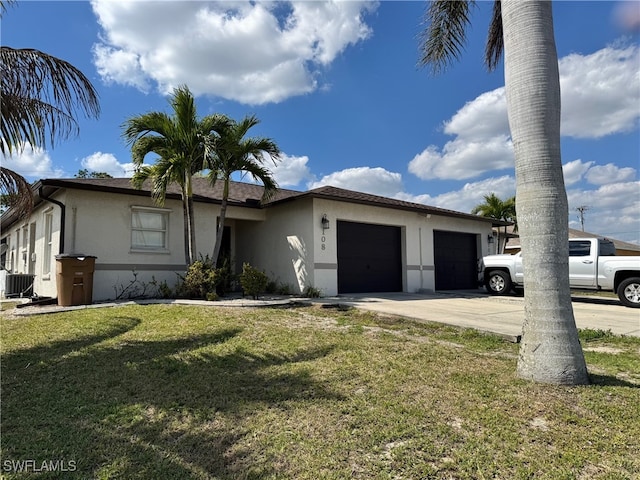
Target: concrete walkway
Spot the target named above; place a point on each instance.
(501, 315)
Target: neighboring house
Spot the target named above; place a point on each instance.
(622, 248)
(335, 240)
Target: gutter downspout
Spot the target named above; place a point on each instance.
(62, 216)
(421, 266)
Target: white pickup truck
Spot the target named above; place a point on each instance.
(592, 266)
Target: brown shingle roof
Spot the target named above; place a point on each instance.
(239, 192)
(340, 194)
(242, 194)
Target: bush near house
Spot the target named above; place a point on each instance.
(200, 281)
(253, 281)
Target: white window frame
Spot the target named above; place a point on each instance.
(136, 248)
(8, 261)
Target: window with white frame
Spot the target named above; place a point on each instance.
(48, 244)
(149, 229)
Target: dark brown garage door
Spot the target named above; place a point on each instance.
(369, 258)
(455, 260)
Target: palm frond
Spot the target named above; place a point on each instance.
(146, 145)
(41, 96)
(495, 39)
(262, 175)
(17, 192)
(140, 176)
(443, 40)
(4, 4)
(139, 126)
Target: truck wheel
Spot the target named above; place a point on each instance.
(498, 282)
(629, 292)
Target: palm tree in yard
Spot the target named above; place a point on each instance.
(495, 207)
(41, 96)
(181, 142)
(550, 351)
(235, 153)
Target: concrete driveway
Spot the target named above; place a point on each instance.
(501, 315)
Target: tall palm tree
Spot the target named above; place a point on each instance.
(181, 142)
(235, 153)
(495, 207)
(550, 351)
(41, 96)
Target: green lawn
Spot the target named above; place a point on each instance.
(183, 392)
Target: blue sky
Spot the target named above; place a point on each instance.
(338, 87)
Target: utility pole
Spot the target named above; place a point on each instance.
(581, 209)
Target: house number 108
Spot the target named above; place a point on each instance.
(323, 239)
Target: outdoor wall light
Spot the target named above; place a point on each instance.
(325, 222)
(490, 239)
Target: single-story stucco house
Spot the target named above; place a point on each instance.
(334, 240)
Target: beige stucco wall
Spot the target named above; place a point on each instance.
(31, 259)
(280, 245)
(285, 240)
(417, 240)
(105, 219)
(99, 224)
(291, 247)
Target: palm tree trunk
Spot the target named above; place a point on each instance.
(550, 350)
(220, 229)
(189, 222)
(185, 218)
(192, 230)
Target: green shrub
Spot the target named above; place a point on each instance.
(225, 278)
(284, 289)
(278, 288)
(311, 292)
(271, 286)
(200, 280)
(164, 290)
(253, 281)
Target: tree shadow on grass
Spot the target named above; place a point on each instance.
(178, 408)
(610, 381)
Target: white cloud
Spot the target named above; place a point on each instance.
(377, 181)
(251, 52)
(600, 96)
(612, 210)
(463, 158)
(470, 195)
(491, 107)
(118, 66)
(290, 171)
(609, 173)
(107, 162)
(574, 171)
(32, 163)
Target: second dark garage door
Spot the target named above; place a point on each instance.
(369, 258)
(456, 260)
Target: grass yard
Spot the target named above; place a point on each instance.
(184, 392)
